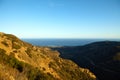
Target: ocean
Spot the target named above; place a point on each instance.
(64, 42)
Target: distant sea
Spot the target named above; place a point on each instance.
(64, 42)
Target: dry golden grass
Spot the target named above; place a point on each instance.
(23, 61)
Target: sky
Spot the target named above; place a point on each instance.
(60, 18)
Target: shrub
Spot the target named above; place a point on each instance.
(28, 51)
(2, 54)
(52, 65)
(16, 46)
(36, 74)
(2, 51)
(11, 61)
(15, 63)
(5, 43)
(117, 57)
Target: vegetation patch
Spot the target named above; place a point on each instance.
(36, 74)
(28, 51)
(117, 57)
(31, 72)
(11, 37)
(5, 43)
(15, 46)
(11, 61)
(52, 65)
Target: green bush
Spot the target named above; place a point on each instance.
(15, 63)
(2, 51)
(28, 51)
(52, 65)
(16, 46)
(11, 61)
(2, 55)
(5, 43)
(36, 74)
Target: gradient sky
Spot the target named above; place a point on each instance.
(60, 18)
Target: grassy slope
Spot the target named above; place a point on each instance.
(23, 61)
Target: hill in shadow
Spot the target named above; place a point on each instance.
(102, 58)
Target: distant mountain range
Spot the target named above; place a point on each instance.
(22, 61)
(102, 58)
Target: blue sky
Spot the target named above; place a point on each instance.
(60, 18)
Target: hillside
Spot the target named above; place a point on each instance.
(22, 61)
(102, 58)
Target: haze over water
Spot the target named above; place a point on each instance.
(64, 42)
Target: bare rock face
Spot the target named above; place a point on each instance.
(22, 61)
